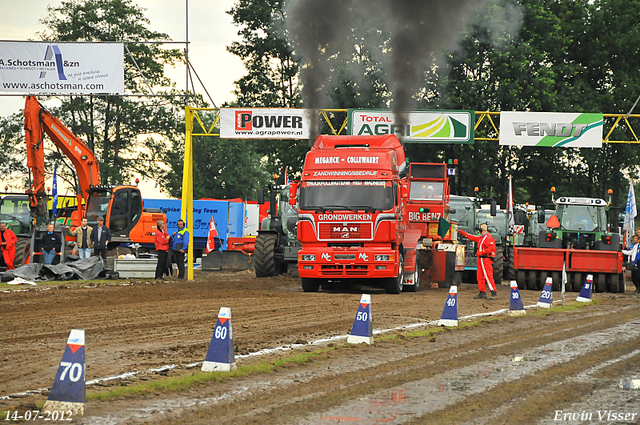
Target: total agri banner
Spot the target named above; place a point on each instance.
(264, 123)
(61, 68)
(419, 126)
(556, 129)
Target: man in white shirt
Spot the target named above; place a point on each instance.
(634, 261)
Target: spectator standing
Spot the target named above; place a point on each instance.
(180, 246)
(634, 262)
(100, 236)
(162, 248)
(51, 243)
(83, 239)
(8, 245)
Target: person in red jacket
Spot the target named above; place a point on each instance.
(486, 252)
(8, 245)
(162, 247)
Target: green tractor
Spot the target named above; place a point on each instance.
(277, 243)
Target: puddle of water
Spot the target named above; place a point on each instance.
(428, 395)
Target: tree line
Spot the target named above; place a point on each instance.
(524, 55)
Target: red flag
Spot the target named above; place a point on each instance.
(213, 232)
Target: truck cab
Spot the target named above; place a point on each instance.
(350, 222)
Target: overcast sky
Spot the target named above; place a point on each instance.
(210, 31)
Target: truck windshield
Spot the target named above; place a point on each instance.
(347, 195)
(582, 217)
(97, 206)
(425, 190)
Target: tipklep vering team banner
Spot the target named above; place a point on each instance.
(264, 123)
(557, 129)
(51, 67)
(421, 126)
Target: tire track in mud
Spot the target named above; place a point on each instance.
(360, 372)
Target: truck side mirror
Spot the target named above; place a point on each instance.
(540, 216)
(493, 209)
(260, 196)
(293, 191)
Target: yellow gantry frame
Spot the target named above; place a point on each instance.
(482, 117)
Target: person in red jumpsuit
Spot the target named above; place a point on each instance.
(486, 252)
(8, 245)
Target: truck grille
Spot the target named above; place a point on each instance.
(345, 231)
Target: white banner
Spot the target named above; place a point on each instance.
(74, 68)
(264, 123)
(557, 129)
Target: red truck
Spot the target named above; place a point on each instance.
(440, 257)
(352, 221)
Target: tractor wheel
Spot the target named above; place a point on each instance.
(310, 284)
(394, 285)
(543, 280)
(557, 281)
(23, 252)
(498, 264)
(532, 283)
(511, 271)
(265, 255)
(621, 284)
(601, 282)
(520, 278)
(577, 282)
(613, 286)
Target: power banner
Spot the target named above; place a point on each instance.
(264, 123)
(58, 68)
(556, 129)
(419, 126)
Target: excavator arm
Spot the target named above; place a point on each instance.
(37, 121)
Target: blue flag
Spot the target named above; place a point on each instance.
(54, 190)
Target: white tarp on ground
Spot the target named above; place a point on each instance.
(54, 67)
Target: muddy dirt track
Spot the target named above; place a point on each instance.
(502, 371)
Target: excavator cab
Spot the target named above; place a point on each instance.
(121, 206)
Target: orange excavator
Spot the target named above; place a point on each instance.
(121, 206)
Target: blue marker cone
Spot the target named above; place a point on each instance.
(585, 292)
(546, 298)
(516, 308)
(68, 392)
(450, 311)
(221, 355)
(362, 329)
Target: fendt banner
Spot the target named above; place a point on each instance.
(420, 127)
(551, 129)
(264, 123)
(62, 68)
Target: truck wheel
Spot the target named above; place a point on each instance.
(557, 281)
(310, 284)
(23, 252)
(520, 279)
(532, 283)
(416, 280)
(498, 264)
(601, 282)
(577, 282)
(394, 285)
(265, 255)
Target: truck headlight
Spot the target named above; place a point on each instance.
(383, 257)
(307, 257)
